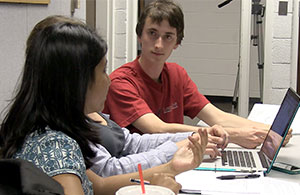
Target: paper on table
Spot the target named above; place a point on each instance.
(280, 187)
(207, 182)
(266, 113)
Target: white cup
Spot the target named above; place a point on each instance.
(149, 189)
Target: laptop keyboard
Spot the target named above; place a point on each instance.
(238, 158)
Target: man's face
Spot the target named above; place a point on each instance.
(157, 41)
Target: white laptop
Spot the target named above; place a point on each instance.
(250, 160)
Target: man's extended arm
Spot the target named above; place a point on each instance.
(244, 132)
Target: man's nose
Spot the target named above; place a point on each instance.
(159, 42)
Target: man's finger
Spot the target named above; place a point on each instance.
(216, 140)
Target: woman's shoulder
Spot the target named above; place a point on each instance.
(53, 151)
(50, 139)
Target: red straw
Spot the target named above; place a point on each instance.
(141, 178)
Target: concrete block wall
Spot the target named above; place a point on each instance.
(120, 33)
(280, 76)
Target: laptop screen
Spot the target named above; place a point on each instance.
(281, 124)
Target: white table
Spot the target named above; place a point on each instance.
(288, 154)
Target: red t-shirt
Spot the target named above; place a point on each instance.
(133, 93)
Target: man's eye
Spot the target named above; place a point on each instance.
(152, 33)
(169, 37)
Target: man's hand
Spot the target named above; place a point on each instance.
(217, 138)
(248, 137)
(252, 137)
(218, 135)
(288, 137)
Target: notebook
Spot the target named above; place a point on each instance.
(250, 160)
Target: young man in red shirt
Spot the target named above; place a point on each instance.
(150, 95)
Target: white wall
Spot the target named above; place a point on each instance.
(210, 49)
(17, 20)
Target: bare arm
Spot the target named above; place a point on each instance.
(244, 132)
(212, 116)
(150, 123)
(70, 182)
(186, 158)
(111, 184)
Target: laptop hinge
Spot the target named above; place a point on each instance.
(263, 160)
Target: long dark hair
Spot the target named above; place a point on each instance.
(60, 63)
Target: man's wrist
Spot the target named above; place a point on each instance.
(233, 134)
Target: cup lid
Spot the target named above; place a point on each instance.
(150, 190)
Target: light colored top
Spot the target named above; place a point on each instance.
(148, 149)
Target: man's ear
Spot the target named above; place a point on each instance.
(175, 47)
(139, 39)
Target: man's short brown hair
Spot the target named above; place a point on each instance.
(160, 10)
